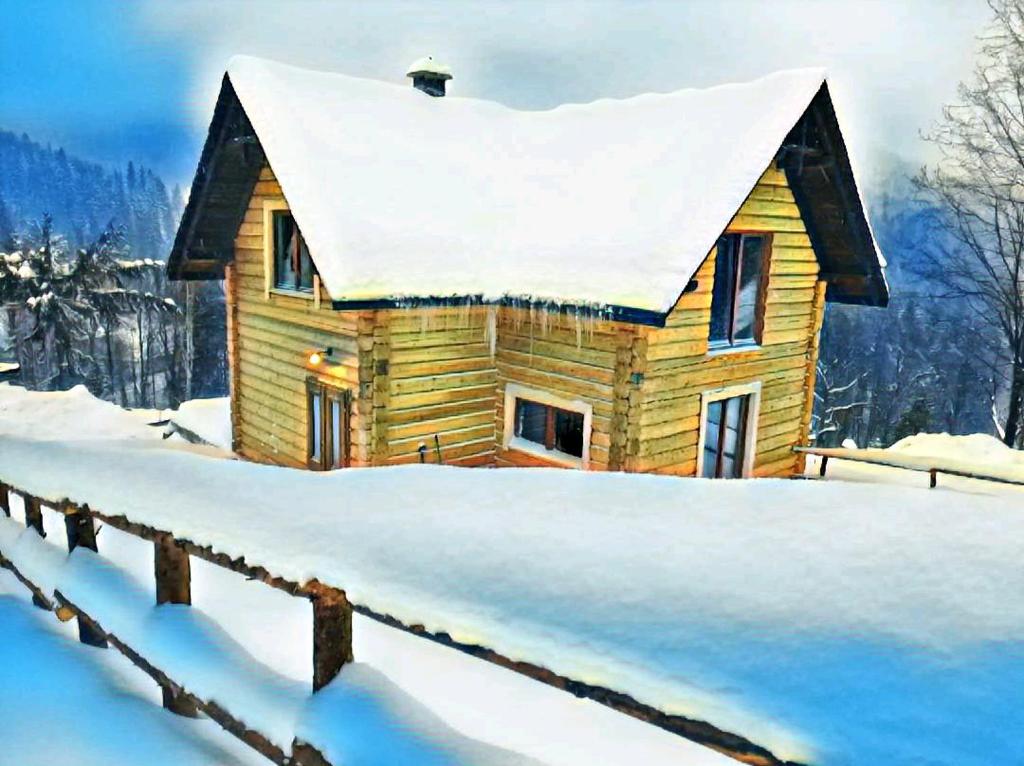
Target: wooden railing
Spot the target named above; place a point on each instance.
(332, 635)
(826, 453)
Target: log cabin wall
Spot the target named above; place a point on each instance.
(679, 368)
(419, 372)
(440, 381)
(578, 359)
(270, 339)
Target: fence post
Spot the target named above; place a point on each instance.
(332, 634)
(34, 514)
(34, 520)
(82, 534)
(173, 586)
(5, 500)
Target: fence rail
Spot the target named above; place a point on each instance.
(332, 635)
(826, 453)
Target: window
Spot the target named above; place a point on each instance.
(293, 268)
(327, 412)
(546, 425)
(549, 426)
(737, 296)
(727, 432)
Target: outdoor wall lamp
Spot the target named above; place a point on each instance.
(319, 355)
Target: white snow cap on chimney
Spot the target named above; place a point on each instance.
(427, 65)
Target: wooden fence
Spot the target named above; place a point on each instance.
(825, 453)
(332, 635)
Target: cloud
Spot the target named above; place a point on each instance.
(892, 65)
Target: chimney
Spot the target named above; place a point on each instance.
(429, 76)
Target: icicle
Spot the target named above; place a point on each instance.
(492, 329)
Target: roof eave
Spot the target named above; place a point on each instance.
(228, 169)
(609, 312)
(820, 176)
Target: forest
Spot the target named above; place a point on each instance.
(948, 352)
(83, 288)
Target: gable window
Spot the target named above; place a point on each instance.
(327, 413)
(727, 435)
(548, 426)
(737, 296)
(293, 268)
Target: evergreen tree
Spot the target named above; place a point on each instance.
(916, 420)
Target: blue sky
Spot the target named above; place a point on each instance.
(114, 80)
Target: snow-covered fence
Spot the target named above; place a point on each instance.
(332, 634)
(888, 459)
(332, 614)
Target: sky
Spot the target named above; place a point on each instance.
(113, 80)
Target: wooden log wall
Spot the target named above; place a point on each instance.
(578, 358)
(441, 379)
(678, 368)
(272, 337)
(425, 380)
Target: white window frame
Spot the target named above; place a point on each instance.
(753, 390)
(271, 206)
(509, 440)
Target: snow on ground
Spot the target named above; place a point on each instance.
(382, 725)
(65, 704)
(70, 416)
(209, 419)
(480, 700)
(980, 450)
(833, 622)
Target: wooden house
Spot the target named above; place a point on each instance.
(630, 285)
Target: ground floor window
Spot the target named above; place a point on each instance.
(550, 426)
(727, 432)
(327, 412)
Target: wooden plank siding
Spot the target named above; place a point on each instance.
(418, 373)
(271, 338)
(578, 358)
(679, 367)
(441, 383)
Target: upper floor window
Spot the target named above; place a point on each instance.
(737, 297)
(293, 268)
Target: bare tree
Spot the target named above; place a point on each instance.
(977, 188)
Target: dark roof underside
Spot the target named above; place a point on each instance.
(818, 170)
(228, 170)
(813, 157)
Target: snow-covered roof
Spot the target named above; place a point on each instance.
(612, 203)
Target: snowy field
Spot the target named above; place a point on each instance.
(66, 704)
(834, 622)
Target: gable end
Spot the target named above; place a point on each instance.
(818, 170)
(228, 170)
